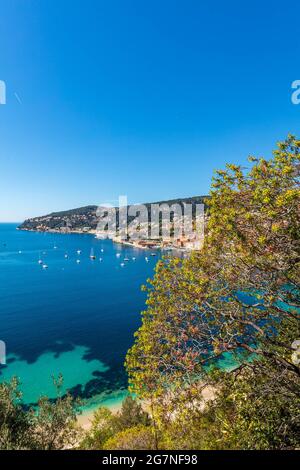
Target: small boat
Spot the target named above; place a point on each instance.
(153, 254)
(118, 255)
(102, 251)
(78, 261)
(55, 247)
(146, 259)
(100, 259)
(45, 266)
(133, 258)
(66, 256)
(126, 259)
(20, 252)
(92, 255)
(122, 265)
(79, 252)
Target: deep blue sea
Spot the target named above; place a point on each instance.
(73, 318)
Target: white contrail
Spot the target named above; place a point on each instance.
(18, 98)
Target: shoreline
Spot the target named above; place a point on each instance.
(155, 247)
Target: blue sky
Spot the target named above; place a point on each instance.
(143, 98)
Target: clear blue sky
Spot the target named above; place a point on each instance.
(144, 98)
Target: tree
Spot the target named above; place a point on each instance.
(234, 296)
(132, 414)
(138, 437)
(104, 426)
(53, 425)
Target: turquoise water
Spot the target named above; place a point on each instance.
(73, 318)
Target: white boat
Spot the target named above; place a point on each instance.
(45, 266)
(118, 255)
(153, 254)
(78, 261)
(102, 251)
(122, 265)
(20, 252)
(100, 259)
(40, 261)
(66, 256)
(126, 259)
(92, 255)
(79, 252)
(146, 259)
(133, 258)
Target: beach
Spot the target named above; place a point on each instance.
(85, 418)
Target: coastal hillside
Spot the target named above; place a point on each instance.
(84, 219)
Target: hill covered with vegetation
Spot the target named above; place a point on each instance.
(86, 219)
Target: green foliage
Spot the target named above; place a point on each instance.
(106, 425)
(256, 407)
(14, 422)
(54, 425)
(51, 427)
(138, 438)
(239, 296)
(265, 409)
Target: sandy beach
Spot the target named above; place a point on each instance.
(85, 419)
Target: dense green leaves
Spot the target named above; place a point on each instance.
(236, 302)
(106, 426)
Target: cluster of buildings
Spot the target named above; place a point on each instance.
(163, 234)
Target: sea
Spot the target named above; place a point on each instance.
(76, 317)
